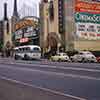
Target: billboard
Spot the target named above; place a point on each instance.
(87, 19)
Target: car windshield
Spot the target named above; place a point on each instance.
(88, 53)
(62, 54)
(85, 53)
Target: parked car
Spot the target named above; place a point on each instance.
(60, 57)
(83, 56)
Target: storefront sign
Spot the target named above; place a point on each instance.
(82, 6)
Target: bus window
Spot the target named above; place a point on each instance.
(36, 49)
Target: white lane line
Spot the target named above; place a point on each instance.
(58, 67)
(41, 88)
(52, 73)
(53, 65)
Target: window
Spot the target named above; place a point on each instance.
(36, 50)
(51, 10)
(80, 53)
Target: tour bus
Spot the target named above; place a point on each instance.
(27, 52)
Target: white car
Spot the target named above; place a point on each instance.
(83, 56)
(60, 57)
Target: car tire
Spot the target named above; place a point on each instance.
(59, 60)
(83, 60)
(51, 59)
(72, 60)
(16, 57)
(26, 57)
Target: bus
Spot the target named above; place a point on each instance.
(27, 52)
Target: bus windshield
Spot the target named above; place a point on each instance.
(36, 50)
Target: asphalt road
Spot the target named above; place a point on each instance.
(77, 79)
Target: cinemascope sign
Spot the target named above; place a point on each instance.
(87, 18)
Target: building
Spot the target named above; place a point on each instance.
(15, 17)
(9, 24)
(69, 24)
(49, 35)
(43, 23)
(7, 34)
(75, 22)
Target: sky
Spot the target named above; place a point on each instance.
(10, 5)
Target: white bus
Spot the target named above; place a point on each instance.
(27, 52)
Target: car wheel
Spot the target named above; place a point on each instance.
(16, 57)
(59, 60)
(26, 57)
(51, 59)
(84, 60)
(72, 60)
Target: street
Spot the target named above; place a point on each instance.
(76, 79)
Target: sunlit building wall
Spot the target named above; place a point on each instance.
(44, 28)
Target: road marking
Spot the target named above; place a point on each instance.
(20, 62)
(41, 88)
(58, 67)
(52, 73)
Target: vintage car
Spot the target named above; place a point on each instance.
(60, 57)
(83, 56)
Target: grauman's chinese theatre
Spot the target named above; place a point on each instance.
(27, 31)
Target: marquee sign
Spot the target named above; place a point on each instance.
(26, 28)
(24, 23)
